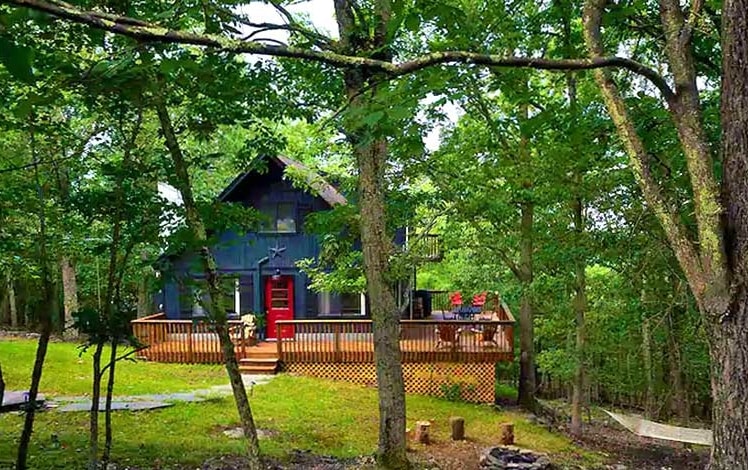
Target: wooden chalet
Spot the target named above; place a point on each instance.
(320, 334)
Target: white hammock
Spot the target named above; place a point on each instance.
(646, 428)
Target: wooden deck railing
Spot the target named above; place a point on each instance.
(184, 341)
(331, 341)
(420, 341)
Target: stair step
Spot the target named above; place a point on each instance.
(266, 355)
(259, 360)
(259, 369)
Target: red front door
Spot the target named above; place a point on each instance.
(279, 305)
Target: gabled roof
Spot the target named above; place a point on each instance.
(321, 187)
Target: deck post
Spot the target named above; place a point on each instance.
(189, 343)
(279, 340)
(243, 340)
(336, 333)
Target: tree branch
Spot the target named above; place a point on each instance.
(639, 159)
(148, 32)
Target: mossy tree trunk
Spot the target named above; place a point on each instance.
(716, 263)
(217, 313)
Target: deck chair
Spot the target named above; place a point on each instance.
(447, 336)
(249, 326)
(487, 335)
(479, 300)
(455, 301)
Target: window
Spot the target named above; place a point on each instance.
(339, 304)
(350, 304)
(280, 217)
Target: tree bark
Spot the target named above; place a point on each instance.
(145, 305)
(44, 315)
(527, 378)
(371, 151)
(2, 385)
(679, 405)
(217, 313)
(13, 307)
(385, 316)
(108, 403)
(93, 417)
(648, 375)
(580, 309)
(70, 296)
(729, 330)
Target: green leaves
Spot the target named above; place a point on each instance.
(17, 59)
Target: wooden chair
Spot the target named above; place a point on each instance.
(249, 327)
(487, 335)
(448, 335)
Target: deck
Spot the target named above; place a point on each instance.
(331, 341)
(438, 356)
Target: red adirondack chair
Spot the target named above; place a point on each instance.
(479, 300)
(455, 301)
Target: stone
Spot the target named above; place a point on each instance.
(510, 457)
(116, 406)
(238, 433)
(457, 425)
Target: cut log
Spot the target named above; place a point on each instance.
(422, 432)
(457, 424)
(507, 434)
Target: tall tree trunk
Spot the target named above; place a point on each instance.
(70, 295)
(385, 316)
(370, 149)
(13, 307)
(44, 316)
(580, 309)
(2, 385)
(527, 377)
(679, 396)
(145, 306)
(217, 313)
(93, 417)
(729, 329)
(648, 374)
(108, 403)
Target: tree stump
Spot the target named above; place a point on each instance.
(422, 432)
(457, 424)
(507, 434)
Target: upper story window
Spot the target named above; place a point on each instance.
(279, 217)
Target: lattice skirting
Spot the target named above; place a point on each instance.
(470, 382)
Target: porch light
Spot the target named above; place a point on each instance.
(277, 275)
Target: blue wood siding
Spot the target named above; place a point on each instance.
(254, 256)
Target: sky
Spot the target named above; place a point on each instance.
(321, 13)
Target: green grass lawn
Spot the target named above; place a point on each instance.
(329, 418)
(66, 373)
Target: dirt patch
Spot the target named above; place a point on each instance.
(449, 455)
(627, 450)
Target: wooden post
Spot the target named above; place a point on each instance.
(507, 434)
(457, 425)
(422, 432)
(336, 333)
(279, 341)
(189, 343)
(243, 339)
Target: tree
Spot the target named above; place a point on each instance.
(713, 257)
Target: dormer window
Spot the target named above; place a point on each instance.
(278, 218)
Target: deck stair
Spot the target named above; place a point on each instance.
(259, 363)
